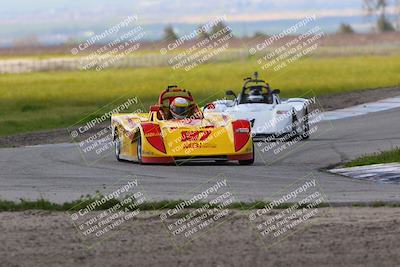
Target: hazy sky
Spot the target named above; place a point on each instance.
(174, 10)
(55, 21)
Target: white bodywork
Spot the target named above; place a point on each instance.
(268, 119)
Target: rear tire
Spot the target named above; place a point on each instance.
(247, 161)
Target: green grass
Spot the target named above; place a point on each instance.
(76, 205)
(38, 101)
(376, 158)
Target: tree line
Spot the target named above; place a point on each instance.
(373, 9)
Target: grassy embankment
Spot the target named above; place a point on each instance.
(376, 158)
(76, 205)
(39, 101)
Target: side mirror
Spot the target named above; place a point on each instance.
(209, 106)
(276, 92)
(230, 93)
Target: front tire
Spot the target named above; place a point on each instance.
(117, 145)
(293, 134)
(139, 149)
(306, 129)
(247, 161)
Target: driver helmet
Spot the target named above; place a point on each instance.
(255, 95)
(180, 108)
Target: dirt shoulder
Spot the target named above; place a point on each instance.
(328, 102)
(335, 40)
(335, 237)
(349, 99)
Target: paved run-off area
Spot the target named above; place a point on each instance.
(58, 172)
(340, 236)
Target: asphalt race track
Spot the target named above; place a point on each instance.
(58, 172)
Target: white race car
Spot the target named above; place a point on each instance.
(270, 116)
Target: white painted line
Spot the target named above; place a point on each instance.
(381, 105)
(386, 173)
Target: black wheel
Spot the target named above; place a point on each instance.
(294, 133)
(117, 145)
(306, 127)
(139, 148)
(247, 161)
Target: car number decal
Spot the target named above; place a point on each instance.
(195, 135)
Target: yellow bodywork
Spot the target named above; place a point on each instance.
(211, 136)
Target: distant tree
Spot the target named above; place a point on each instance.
(202, 33)
(397, 10)
(384, 25)
(345, 28)
(220, 26)
(169, 33)
(259, 34)
(379, 8)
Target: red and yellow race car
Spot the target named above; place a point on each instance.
(158, 137)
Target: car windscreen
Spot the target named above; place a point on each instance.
(256, 94)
